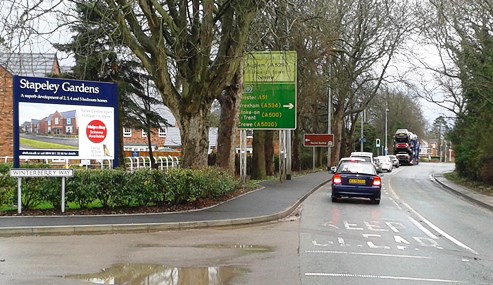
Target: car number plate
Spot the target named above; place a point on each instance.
(357, 181)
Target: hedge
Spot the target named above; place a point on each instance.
(113, 188)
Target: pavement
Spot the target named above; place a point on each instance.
(273, 201)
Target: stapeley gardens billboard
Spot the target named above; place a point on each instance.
(64, 119)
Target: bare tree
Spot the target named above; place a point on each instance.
(30, 26)
(190, 49)
(369, 35)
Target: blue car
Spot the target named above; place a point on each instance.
(356, 178)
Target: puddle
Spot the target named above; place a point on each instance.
(154, 274)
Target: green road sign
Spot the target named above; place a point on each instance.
(269, 91)
(268, 106)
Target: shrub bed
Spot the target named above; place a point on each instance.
(116, 188)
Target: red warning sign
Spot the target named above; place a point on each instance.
(96, 131)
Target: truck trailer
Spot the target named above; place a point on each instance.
(406, 147)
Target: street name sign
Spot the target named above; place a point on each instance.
(41, 172)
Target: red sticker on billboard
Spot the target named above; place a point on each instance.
(96, 131)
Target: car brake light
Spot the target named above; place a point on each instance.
(377, 181)
(336, 179)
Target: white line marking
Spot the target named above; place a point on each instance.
(438, 230)
(430, 224)
(368, 254)
(423, 229)
(383, 277)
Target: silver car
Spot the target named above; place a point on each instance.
(378, 164)
(395, 161)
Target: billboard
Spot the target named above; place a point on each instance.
(64, 119)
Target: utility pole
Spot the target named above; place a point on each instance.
(386, 149)
(362, 137)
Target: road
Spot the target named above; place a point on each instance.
(262, 254)
(419, 234)
(52, 139)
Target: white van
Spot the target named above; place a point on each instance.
(368, 156)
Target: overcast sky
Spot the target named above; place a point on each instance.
(49, 35)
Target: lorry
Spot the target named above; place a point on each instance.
(406, 147)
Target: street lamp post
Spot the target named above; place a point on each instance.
(386, 150)
(329, 125)
(362, 136)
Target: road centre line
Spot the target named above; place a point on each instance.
(383, 277)
(368, 254)
(431, 225)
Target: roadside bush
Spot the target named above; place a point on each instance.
(81, 188)
(110, 185)
(5, 168)
(32, 192)
(145, 187)
(178, 186)
(217, 183)
(51, 190)
(7, 189)
(187, 185)
(117, 188)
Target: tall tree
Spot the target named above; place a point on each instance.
(191, 50)
(465, 30)
(97, 59)
(370, 33)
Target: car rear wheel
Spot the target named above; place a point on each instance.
(334, 199)
(376, 201)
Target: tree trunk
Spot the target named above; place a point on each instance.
(149, 145)
(270, 167)
(194, 129)
(228, 122)
(121, 149)
(295, 163)
(337, 131)
(258, 158)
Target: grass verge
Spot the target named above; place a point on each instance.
(475, 186)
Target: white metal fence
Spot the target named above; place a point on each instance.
(131, 163)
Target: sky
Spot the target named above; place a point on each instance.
(49, 35)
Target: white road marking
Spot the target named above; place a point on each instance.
(438, 230)
(371, 244)
(423, 229)
(341, 241)
(349, 226)
(393, 226)
(368, 254)
(430, 224)
(384, 277)
(315, 243)
(395, 203)
(399, 239)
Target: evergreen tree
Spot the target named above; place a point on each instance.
(97, 52)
